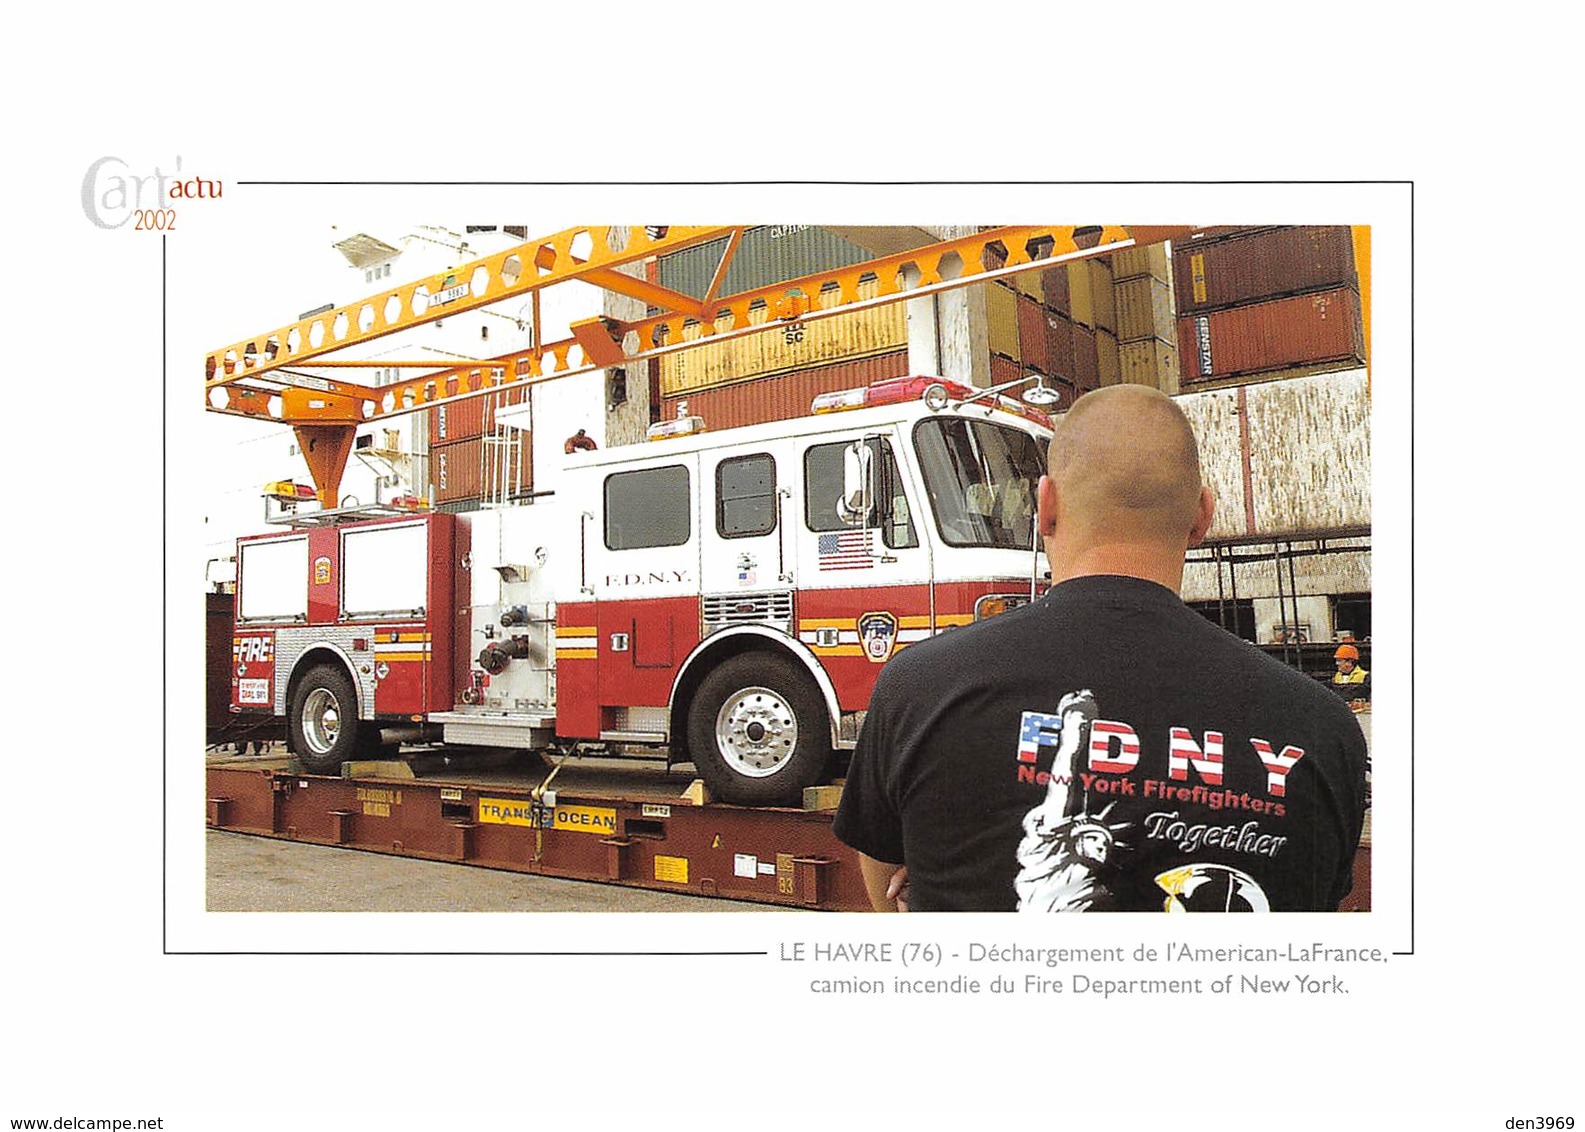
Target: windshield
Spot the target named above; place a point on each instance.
(981, 481)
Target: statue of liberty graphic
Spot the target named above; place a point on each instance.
(1065, 847)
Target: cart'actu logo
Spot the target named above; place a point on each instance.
(321, 571)
(878, 633)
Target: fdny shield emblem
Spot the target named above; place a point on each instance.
(878, 635)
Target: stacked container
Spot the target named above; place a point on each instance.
(470, 458)
(781, 398)
(1267, 302)
(1146, 337)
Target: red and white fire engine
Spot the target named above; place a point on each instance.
(720, 598)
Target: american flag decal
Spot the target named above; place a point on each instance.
(846, 550)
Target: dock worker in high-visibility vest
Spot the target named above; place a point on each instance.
(1350, 680)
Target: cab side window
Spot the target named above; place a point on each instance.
(823, 465)
(745, 496)
(648, 508)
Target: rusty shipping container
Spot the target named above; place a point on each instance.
(1004, 370)
(479, 467)
(1212, 275)
(782, 397)
(1279, 334)
(1054, 285)
(1285, 458)
(1033, 349)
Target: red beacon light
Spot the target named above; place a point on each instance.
(893, 391)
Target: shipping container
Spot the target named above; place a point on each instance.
(1105, 302)
(1001, 316)
(1309, 452)
(1054, 285)
(1148, 362)
(464, 420)
(1031, 284)
(480, 467)
(1086, 359)
(791, 345)
(1059, 344)
(1285, 458)
(1268, 264)
(782, 397)
(1081, 293)
(1108, 362)
(1004, 370)
(1137, 263)
(1280, 334)
(1033, 349)
(767, 255)
(1144, 309)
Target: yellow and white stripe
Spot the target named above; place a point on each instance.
(406, 647)
(910, 630)
(577, 642)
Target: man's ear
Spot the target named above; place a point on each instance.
(1203, 517)
(1046, 507)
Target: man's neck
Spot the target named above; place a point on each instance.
(1130, 560)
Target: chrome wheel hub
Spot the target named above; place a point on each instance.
(321, 721)
(756, 732)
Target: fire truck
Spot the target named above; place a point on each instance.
(720, 598)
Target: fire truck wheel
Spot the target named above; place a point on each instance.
(324, 719)
(758, 732)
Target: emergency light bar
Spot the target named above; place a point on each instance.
(683, 426)
(937, 393)
(893, 391)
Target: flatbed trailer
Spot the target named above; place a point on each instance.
(625, 826)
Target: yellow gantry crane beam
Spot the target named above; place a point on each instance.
(259, 377)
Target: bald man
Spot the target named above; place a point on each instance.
(1106, 748)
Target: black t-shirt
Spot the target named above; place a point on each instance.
(1106, 748)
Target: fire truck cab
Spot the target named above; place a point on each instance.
(721, 598)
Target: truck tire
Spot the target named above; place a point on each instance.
(323, 716)
(758, 732)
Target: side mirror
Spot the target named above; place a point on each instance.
(858, 485)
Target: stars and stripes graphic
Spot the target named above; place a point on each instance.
(846, 550)
(1037, 729)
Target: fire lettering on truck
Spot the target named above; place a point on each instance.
(647, 578)
(253, 650)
